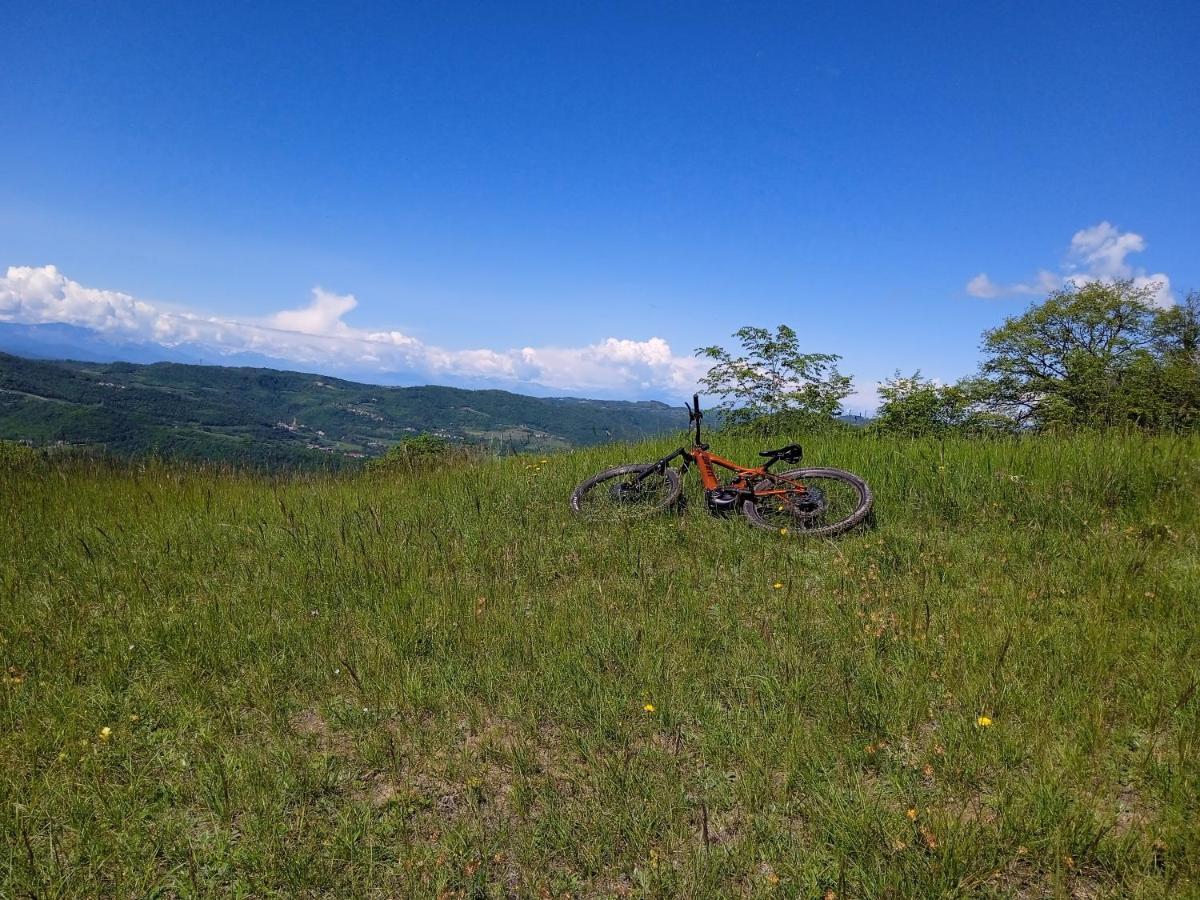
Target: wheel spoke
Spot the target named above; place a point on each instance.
(813, 503)
(622, 496)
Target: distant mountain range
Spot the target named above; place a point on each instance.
(276, 417)
(57, 341)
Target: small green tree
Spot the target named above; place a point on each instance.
(770, 386)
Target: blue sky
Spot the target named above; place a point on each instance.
(505, 187)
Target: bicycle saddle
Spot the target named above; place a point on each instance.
(790, 453)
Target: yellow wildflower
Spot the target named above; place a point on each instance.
(778, 585)
(649, 707)
(105, 733)
(911, 814)
(783, 531)
(983, 721)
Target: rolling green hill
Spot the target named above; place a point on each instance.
(268, 416)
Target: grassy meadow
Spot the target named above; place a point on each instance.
(445, 686)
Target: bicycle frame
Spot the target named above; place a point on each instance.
(748, 479)
(745, 476)
(745, 479)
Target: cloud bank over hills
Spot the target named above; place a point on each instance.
(317, 335)
(43, 312)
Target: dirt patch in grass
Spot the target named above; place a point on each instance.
(1133, 810)
(1023, 879)
(377, 789)
(310, 722)
(971, 810)
(717, 828)
(312, 725)
(606, 889)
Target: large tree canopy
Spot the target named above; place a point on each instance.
(1094, 355)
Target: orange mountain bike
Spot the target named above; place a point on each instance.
(815, 502)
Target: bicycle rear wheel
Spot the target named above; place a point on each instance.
(810, 502)
(616, 495)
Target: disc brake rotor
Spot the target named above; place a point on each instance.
(810, 504)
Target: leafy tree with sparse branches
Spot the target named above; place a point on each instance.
(771, 386)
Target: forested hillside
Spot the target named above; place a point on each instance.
(275, 417)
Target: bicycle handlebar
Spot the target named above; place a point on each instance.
(694, 414)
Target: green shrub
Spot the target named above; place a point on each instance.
(16, 456)
(915, 406)
(421, 451)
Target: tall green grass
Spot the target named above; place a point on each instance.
(442, 684)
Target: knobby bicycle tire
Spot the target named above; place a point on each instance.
(863, 508)
(668, 499)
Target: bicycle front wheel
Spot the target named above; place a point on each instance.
(616, 495)
(809, 502)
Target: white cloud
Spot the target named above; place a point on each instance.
(42, 295)
(642, 365)
(983, 286)
(1043, 283)
(1101, 250)
(317, 335)
(323, 315)
(1099, 253)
